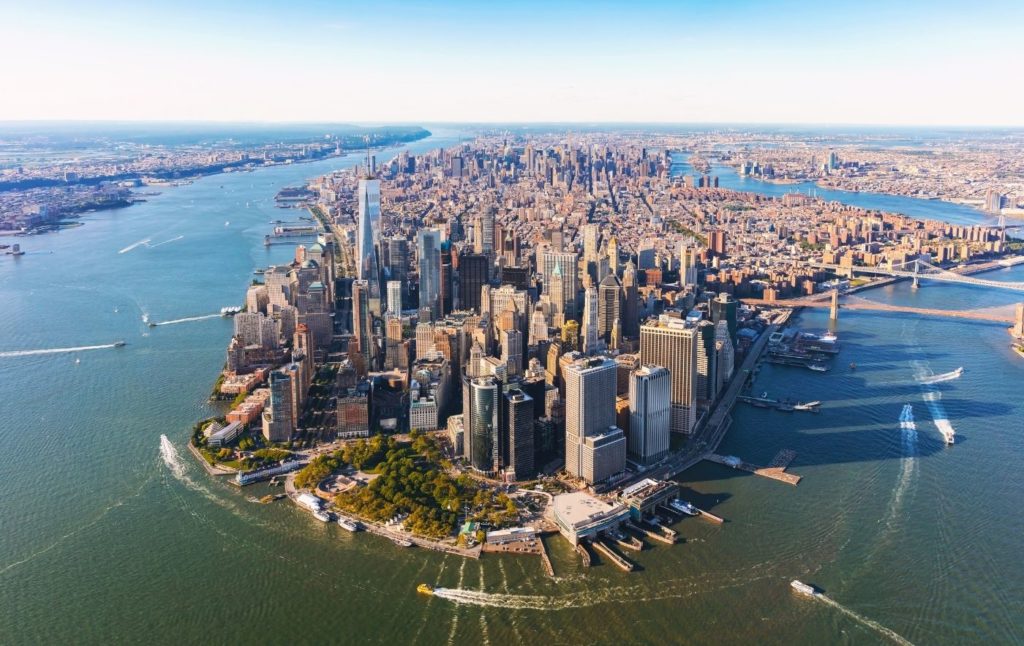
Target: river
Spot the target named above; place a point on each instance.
(112, 535)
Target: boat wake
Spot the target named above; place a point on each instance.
(874, 625)
(134, 245)
(160, 244)
(189, 319)
(938, 379)
(908, 463)
(81, 348)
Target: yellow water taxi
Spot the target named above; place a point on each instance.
(425, 588)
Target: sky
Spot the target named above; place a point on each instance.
(898, 62)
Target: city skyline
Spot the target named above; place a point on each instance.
(795, 63)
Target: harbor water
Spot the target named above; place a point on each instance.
(113, 533)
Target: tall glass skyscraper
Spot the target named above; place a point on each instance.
(368, 240)
(428, 252)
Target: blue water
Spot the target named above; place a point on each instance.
(910, 206)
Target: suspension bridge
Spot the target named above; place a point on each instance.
(919, 269)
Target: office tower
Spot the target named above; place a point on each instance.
(368, 266)
(595, 449)
(428, 250)
(303, 347)
(473, 275)
(669, 343)
(590, 321)
(630, 302)
(282, 287)
(424, 340)
(613, 255)
(725, 353)
(512, 351)
(687, 265)
(650, 389)
(538, 326)
(645, 257)
(571, 336)
(362, 327)
(558, 266)
(398, 264)
(591, 242)
(707, 364)
(480, 410)
(447, 283)
(723, 308)
(609, 307)
(510, 249)
(277, 418)
(394, 298)
(519, 411)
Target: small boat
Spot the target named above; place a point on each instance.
(818, 367)
(425, 588)
(322, 516)
(812, 406)
(401, 542)
(853, 366)
(804, 588)
(350, 525)
(120, 344)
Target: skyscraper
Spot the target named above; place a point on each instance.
(519, 412)
(473, 274)
(650, 389)
(394, 298)
(707, 364)
(480, 410)
(590, 321)
(669, 343)
(609, 307)
(630, 302)
(723, 308)
(277, 418)
(567, 270)
(595, 449)
(398, 263)
(369, 240)
(428, 251)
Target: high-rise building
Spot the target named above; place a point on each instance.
(512, 351)
(590, 322)
(473, 275)
(368, 266)
(650, 390)
(564, 265)
(362, 325)
(707, 364)
(609, 307)
(394, 297)
(277, 418)
(480, 408)
(398, 264)
(428, 250)
(519, 411)
(723, 308)
(593, 444)
(630, 302)
(669, 343)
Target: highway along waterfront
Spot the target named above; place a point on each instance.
(111, 535)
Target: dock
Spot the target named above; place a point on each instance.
(545, 560)
(581, 549)
(776, 470)
(708, 516)
(625, 564)
(650, 533)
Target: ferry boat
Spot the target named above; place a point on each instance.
(401, 542)
(804, 588)
(811, 406)
(322, 516)
(684, 507)
(425, 588)
(230, 310)
(350, 525)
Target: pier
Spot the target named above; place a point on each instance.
(581, 549)
(545, 560)
(708, 516)
(650, 533)
(625, 564)
(776, 470)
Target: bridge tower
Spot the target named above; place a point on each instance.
(917, 268)
(1018, 325)
(833, 313)
(1002, 227)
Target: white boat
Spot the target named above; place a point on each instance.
(806, 406)
(322, 516)
(401, 542)
(817, 367)
(803, 588)
(946, 376)
(350, 525)
(684, 507)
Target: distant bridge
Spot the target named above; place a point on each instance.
(1003, 314)
(918, 269)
